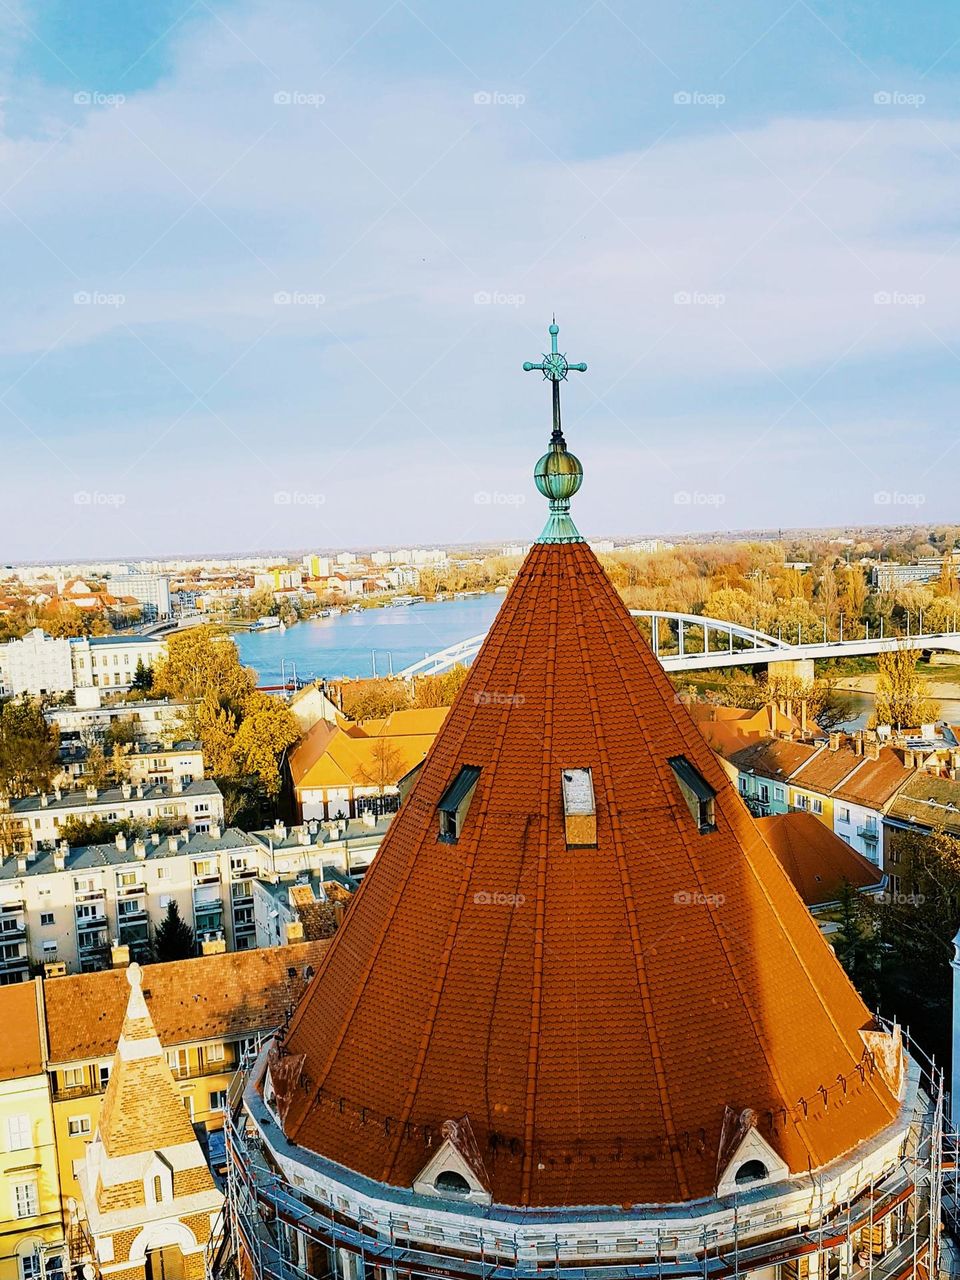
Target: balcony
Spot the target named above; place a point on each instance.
(137, 913)
(206, 877)
(243, 873)
(96, 920)
(244, 926)
(89, 895)
(12, 930)
(869, 833)
(131, 890)
(93, 941)
(10, 964)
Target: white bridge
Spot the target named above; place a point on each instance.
(694, 643)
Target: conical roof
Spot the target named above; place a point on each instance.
(597, 1013)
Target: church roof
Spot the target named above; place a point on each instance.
(593, 1011)
(574, 941)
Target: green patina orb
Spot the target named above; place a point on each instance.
(558, 474)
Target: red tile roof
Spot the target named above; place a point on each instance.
(592, 1011)
(815, 859)
(21, 1046)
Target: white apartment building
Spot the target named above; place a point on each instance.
(195, 807)
(37, 664)
(110, 662)
(152, 718)
(69, 905)
(143, 763)
(152, 590)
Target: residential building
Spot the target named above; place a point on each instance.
(763, 770)
(194, 806)
(307, 910)
(64, 907)
(343, 768)
(316, 566)
(208, 1012)
(818, 862)
(151, 590)
(346, 845)
(38, 664)
(110, 662)
(152, 718)
(577, 1020)
(31, 1228)
(148, 1207)
(141, 762)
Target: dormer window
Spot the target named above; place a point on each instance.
(451, 1183)
(751, 1171)
(579, 808)
(455, 802)
(696, 791)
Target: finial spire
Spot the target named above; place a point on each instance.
(558, 474)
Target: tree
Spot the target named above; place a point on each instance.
(385, 767)
(142, 677)
(95, 767)
(440, 690)
(173, 938)
(900, 697)
(199, 664)
(856, 944)
(267, 729)
(374, 699)
(29, 749)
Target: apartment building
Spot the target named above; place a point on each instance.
(38, 664)
(143, 763)
(110, 662)
(31, 1230)
(150, 590)
(194, 806)
(68, 907)
(152, 718)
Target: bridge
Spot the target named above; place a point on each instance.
(695, 643)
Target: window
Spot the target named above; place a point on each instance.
(50, 947)
(218, 1099)
(178, 1061)
(103, 1075)
(125, 879)
(47, 917)
(25, 1199)
(455, 802)
(802, 803)
(817, 805)
(30, 1265)
(215, 1053)
(78, 1126)
(74, 1078)
(696, 791)
(764, 792)
(18, 1133)
(843, 814)
(579, 808)
(157, 1189)
(742, 784)
(752, 1171)
(450, 1183)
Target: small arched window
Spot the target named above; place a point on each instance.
(751, 1171)
(450, 1183)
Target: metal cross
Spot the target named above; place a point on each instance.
(554, 366)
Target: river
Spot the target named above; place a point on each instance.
(370, 641)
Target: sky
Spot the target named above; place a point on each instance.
(269, 269)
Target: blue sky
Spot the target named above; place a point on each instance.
(270, 270)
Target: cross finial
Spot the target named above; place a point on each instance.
(558, 474)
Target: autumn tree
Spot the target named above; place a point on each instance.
(267, 729)
(29, 748)
(900, 697)
(199, 664)
(374, 699)
(440, 690)
(385, 767)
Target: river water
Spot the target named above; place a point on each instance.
(373, 641)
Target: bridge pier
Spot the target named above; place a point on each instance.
(799, 668)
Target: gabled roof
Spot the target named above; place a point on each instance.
(346, 754)
(823, 771)
(239, 993)
(21, 1046)
(815, 859)
(874, 782)
(594, 1014)
(929, 801)
(773, 758)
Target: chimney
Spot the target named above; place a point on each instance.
(44, 801)
(91, 793)
(835, 740)
(119, 955)
(172, 843)
(139, 790)
(176, 787)
(214, 831)
(121, 842)
(63, 846)
(872, 750)
(58, 794)
(369, 818)
(59, 859)
(772, 714)
(184, 834)
(858, 743)
(139, 849)
(292, 932)
(279, 830)
(155, 839)
(21, 864)
(338, 909)
(126, 790)
(304, 834)
(213, 947)
(909, 759)
(803, 715)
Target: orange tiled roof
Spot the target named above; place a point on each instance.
(875, 782)
(815, 859)
(345, 754)
(239, 993)
(773, 758)
(593, 1012)
(826, 769)
(21, 1045)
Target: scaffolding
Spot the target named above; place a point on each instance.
(888, 1230)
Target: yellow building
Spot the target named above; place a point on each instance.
(206, 1012)
(31, 1226)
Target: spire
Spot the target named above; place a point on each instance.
(558, 474)
(142, 1107)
